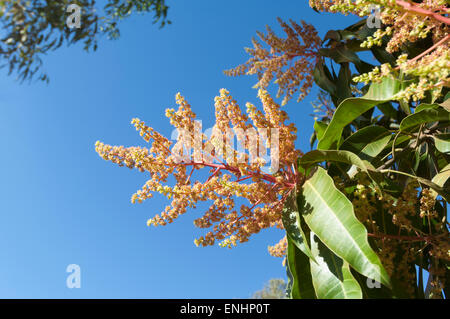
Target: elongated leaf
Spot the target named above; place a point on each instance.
(347, 157)
(425, 106)
(442, 142)
(343, 53)
(444, 191)
(382, 55)
(299, 273)
(292, 224)
(427, 115)
(388, 110)
(331, 276)
(329, 214)
(446, 103)
(385, 90)
(340, 54)
(442, 177)
(320, 128)
(367, 142)
(318, 156)
(322, 78)
(343, 81)
(352, 108)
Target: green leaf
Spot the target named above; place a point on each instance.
(318, 156)
(329, 214)
(426, 115)
(442, 142)
(446, 103)
(444, 191)
(299, 273)
(320, 128)
(384, 90)
(447, 97)
(343, 82)
(331, 276)
(292, 224)
(442, 177)
(425, 106)
(340, 54)
(323, 79)
(382, 55)
(388, 110)
(367, 142)
(352, 108)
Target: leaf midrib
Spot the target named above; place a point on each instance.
(341, 226)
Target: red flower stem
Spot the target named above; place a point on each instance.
(261, 198)
(214, 174)
(443, 40)
(265, 177)
(243, 178)
(408, 6)
(257, 202)
(189, 177)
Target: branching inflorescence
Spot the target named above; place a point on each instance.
(290, 61)
(233, 173)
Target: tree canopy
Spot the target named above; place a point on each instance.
(32, 28)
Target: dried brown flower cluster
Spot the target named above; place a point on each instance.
(290, 61)
(405, 22)
(230, 178)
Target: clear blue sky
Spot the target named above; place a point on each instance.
(61, 204)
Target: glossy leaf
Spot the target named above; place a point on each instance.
(367, 142)
(442, 142)
(320, 128)
(427, 115)
(340, 54)
(347, 157)
(352, 108)
(425, 106)
(292, 224)
(331, 276)
(329, 214)
(443, 177)
(323, 78)
(299, 273)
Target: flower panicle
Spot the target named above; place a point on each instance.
(288, 61)
(229, 178)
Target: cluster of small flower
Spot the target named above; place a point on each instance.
(405, 22)
(290, 61)
(228, 180)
